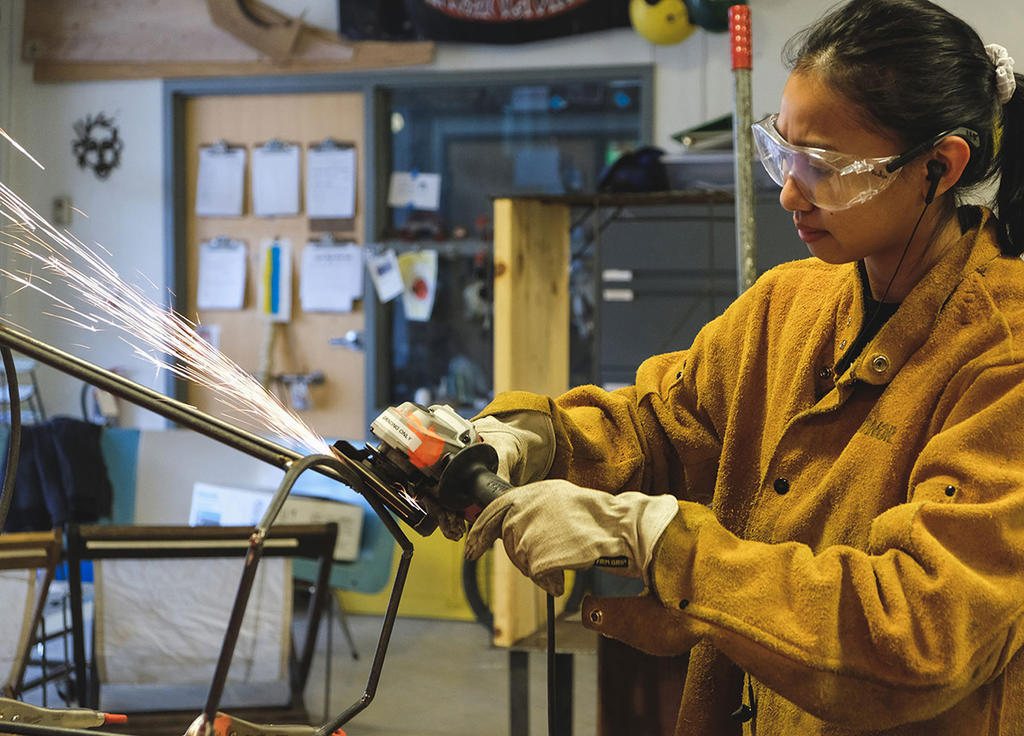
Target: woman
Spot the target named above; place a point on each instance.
(842, 545)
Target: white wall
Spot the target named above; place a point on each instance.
(125, 211)
(693, 82)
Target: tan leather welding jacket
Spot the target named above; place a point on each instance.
(862, 558)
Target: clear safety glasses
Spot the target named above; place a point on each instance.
(832, 180)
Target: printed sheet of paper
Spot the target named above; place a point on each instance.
(222, 267)
(275, 181)
(386, 275)
(418, 190)
(221, 182)
(331, 183)
(331, 278)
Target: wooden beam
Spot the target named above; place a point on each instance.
(369, 55)
(531, 296)
(531, 352)
(79, 40)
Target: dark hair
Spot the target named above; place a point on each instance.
(916, 70)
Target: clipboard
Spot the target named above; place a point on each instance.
(221, 284)
(220, 180)
(331, 146)
(275, 179)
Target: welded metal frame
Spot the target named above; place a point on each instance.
(294, 465)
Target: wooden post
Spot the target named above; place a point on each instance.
(531, 353)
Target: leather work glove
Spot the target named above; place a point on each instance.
(525, 442)
(554, 525)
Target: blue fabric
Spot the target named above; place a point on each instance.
(120, 449)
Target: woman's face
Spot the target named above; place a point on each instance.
(811, 114)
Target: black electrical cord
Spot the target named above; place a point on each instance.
(14, 442)
(552, 680)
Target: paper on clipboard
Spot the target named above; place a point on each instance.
(331, 182)
(222, 267)
(331, 278)
(275, 180)
(220, 181)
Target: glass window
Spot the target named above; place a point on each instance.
(485, 140)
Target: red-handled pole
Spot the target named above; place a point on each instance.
(743, 145)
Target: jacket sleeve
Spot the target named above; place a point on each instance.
(634, 438)
(903, 630)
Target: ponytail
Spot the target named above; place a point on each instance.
(1010, 199)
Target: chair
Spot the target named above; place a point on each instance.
(23, 556)
(149, 548)
(28, 393)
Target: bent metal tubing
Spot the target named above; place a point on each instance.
(292, 462)
(346, 472)
(249, 573)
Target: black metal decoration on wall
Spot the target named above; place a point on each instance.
(98, 144)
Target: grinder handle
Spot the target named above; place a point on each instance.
(469, 479)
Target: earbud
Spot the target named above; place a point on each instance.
(935, 171)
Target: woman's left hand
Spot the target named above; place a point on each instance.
(553, 525)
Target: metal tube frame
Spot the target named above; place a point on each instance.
(292, 462)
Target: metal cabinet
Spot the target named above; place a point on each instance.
(659, 267)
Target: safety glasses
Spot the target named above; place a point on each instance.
(832, 180)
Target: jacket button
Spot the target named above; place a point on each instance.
(781, 486)
(596, 616)
(683, 604)
(879, 363)
(842, 344)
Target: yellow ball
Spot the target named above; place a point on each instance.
(663, 22)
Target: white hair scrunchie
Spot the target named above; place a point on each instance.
(1003, 62)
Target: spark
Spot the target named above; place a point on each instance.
(19, 147)
(156, 334)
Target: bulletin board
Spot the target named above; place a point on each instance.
(302, 345)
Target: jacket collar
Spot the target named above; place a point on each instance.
(913, 322)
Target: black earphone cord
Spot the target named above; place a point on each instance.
(935, 171)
